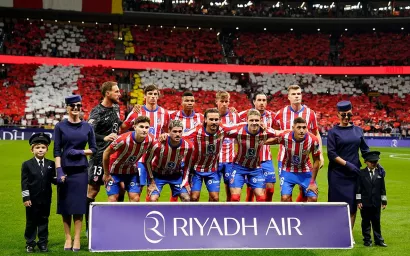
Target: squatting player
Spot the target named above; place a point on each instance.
(297, 169)
(120, 158)
(284, 120)
(247, 165)
(228, 150)
(105, 119)
(164, 163)
(260, 102)
(159, 123)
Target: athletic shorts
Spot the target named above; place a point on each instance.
(268, 171)
(174, 183)
(95, 172)
(211, 179)
(224, 171)
(143, 175)
(289, 179)
(241, 175)
(130, 183)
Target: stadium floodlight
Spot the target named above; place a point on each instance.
(2, 65)
(303, 4)
(345, 29)
(69, 21)
(345, 75)
(237, 28)
(41, 19)
(109, 23)
(318, 29)
(210, 29)
(82, 22)
(199, 28)
(211, 4)
(374, 29)
(31, 23)
(264, 29)
(174, 26)
(187, 27)
(55, 20)
(217, 34)
(28, 19)
(96, 23)
(402, 28)
(291, 29)
(149, 26)
(113, 69)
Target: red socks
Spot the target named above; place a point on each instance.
(261, 198)
(235, 197)
(173, 199)
(269, 194)
(249, 194)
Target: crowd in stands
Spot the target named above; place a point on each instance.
(343, 10)
(172, 45)
(38, 38)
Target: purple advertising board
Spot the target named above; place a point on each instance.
(218, 226)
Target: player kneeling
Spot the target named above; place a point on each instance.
(296, 167)
(165, 162)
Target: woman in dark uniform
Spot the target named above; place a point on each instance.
(343, 144)
(70, 138)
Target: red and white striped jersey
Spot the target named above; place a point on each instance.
(249, 145)
(207, 148)
(284, 119)
(166, 160)
(228, 147)
(189, 122)
(128, 152)
(267, 118)
(159, 120)
(296, 153)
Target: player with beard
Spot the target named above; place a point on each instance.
(164, 164)
(105, 120)
(260, 102)
(284, 120)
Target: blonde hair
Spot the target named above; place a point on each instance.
(222, 95)
(294, 87)
(253, 112)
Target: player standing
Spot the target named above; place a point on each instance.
(190, 119)
(159, 123)
(228, 150)
(260, 102)
(164, 163)
(297, 169)
(247, 165)
(120, 158)
(105, 120)
(284, 119)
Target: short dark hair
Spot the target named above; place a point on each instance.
(299, 120)
(142, 119)
(107, 86)
(187, 94)
(259, 93)
(210, 110)
(150, 88)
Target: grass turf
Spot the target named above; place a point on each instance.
(395, 219)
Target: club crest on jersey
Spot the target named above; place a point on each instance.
(295, 159)
(210, 149)
(305, 152)
(250, 153)
(151, 130)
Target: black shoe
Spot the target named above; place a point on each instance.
(43, 248)
(382, 244)
(29, 249)
(368, 244)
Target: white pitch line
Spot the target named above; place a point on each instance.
(397, 156)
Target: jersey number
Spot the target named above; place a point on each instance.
(97, 170)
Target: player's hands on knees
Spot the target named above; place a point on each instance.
(313, 187)
(188, 188)
(322, 161)
(137, 108)
(107, 179)
(27, 203)
(152, 187)
(111, 137)
(360, 206)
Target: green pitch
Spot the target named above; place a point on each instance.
(395, 219)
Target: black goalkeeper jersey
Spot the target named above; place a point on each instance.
(104, 121)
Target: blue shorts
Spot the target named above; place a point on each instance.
(279, 168)
(130, 183)
(142, 171)
(224, 171)
(211, 179)
(268, 171)
(174, 183)
(241, 175)
(289, 179)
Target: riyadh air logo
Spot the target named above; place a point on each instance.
(154, 227)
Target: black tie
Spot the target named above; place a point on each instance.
(41, 166)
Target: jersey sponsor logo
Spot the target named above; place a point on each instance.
(114, 128)
(233, 174)
(213, 181)
(171, 165)
(154, 227)
(132, 184)
(131, 159)
(227, 141)
(186, 129)
(210, 149)
(250, 153)
(295, 159)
